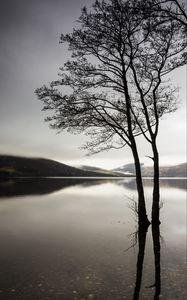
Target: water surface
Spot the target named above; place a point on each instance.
(77, 239)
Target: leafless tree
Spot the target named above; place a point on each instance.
(119, 58)
(164, 51)
(170, 9)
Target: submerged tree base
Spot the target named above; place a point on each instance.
(156, 212)
(144, 222)
(155, 222)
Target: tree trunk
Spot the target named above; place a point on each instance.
(142, 215)
(156, 186)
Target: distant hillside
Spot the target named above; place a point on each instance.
(168, 171)
(100, 170)
(165, 171)
(13, 166)
(128, 169)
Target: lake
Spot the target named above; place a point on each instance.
(66, 239)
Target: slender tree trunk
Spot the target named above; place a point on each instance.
(142, 214)
(156, 186)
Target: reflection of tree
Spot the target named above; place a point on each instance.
(142, 232)
(156, 247)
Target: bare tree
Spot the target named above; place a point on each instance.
(164, 51)
(118, 60)
(170, 9)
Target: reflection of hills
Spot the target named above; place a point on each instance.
(169, 183)
(34, 186)
(174, 183)
(41, 186)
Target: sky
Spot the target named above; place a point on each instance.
(30, 56)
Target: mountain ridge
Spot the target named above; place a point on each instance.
(179, 170)
(18, 166)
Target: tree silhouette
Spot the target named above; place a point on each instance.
(120, 54)
(171, 9)
(168, 23)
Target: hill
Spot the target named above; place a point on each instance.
(168, 171)
(128, 169)
(14, 166)
(165, 171)
(100, 170)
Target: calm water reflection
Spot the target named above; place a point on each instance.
(67, 239)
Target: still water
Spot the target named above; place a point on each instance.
(66, 239)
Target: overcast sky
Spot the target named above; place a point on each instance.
(30, 55)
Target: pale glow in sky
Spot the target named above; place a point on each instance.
(31, 56)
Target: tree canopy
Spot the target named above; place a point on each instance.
(121, 51)
(119, 57)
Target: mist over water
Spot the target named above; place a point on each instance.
(77, 239)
